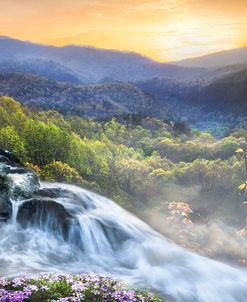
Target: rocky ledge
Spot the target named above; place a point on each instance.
(20, 185)
(16, 183)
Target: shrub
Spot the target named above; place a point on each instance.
(59, 171)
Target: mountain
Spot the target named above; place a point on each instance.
(90, 100)
(96, 82)
(87, 64)
(228, 94)
(216, 60)
(48, 69)
(77, 64)
(225, 96)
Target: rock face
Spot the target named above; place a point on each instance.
(58, 192)
(4, 200)
(16, 183)
(45, 214)
(22, 199)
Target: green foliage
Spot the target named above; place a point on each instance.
(227, 146)
(115, 131)
(45, 142)
(62, 172)
(10, 140)
(127, 162)
(89, 157)
(242, 153)
(12, 113)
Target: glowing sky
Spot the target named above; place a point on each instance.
(162, 29)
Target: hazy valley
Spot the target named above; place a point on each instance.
(165, 141)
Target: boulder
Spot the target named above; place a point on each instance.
(22, 186)
(66, 194)
(16, 183)
(5, 206)
(49, 192)
(8, 158)
(45, 214)
(5, 209)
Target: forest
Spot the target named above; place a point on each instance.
(145, 164)
(141, 154)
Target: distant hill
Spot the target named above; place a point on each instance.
(92, 100)
(215, 60)
(86, 64)
(48, 69)
(97, 82)
(227, 95)
(78, 64)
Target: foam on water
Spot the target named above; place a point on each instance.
(104, 238)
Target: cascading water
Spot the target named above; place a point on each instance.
(66, 228)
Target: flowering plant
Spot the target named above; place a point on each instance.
(69, 288)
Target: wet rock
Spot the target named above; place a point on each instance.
(16, 183)
(66, 194)
(49, 192)
(4, 168)
(45, 214)
(23, 186)
(17, 170)
(8, 158)
(5, 207)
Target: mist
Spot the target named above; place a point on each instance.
(201, 223)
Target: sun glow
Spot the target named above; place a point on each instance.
(162, 29)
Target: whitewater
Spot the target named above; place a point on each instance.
(74, 230)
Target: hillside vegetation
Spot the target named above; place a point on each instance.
(91, 100)
(209, 92)
(218, 104)
(125, 162)
(175, 178)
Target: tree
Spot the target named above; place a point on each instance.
(12, 114)
(133, 176)
(88, 157)
(45, 142)
(227, 146)
(243, 154)
(11, 141)
(115, 131)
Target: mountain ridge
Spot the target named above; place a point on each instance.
(93, 65)
(89, 100)
(191, 61)
(217, 59)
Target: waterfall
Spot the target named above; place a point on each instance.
(66, 228)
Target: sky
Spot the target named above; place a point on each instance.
(165, 30)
